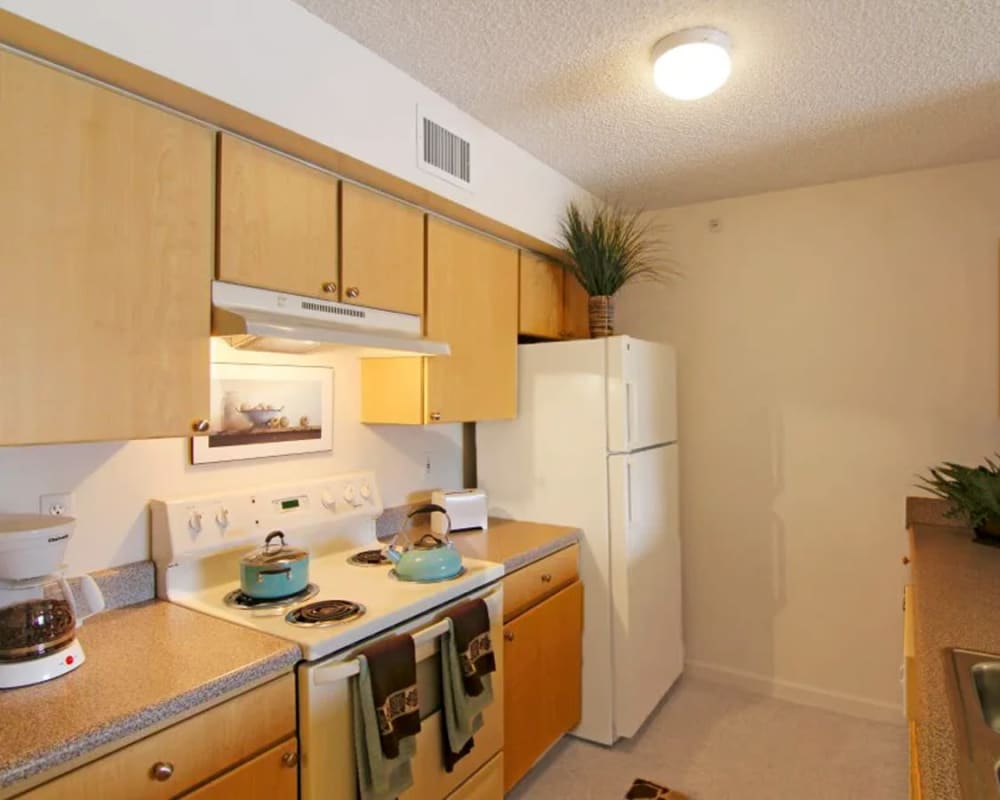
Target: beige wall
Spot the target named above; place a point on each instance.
(833, 341)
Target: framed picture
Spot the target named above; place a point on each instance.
(258, 410)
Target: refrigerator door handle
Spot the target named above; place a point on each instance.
(629, 394)
(628, 489)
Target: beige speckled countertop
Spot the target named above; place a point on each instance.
(957, 604)
(147, 666)
(513, 543)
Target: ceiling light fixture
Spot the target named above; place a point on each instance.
(691, 64)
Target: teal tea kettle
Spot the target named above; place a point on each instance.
(430, 558)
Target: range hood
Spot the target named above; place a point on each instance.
(261, 319)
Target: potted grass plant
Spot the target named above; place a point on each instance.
(606, 248)
(973, 494)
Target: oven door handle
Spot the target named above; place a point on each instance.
(346, 669)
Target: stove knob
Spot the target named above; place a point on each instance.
(222, 517)
(366, 491)
(351, 496)
(194, 522)
(329, 500)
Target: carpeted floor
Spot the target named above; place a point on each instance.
(718, 743)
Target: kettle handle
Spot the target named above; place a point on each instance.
(430, 508)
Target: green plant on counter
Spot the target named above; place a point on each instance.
(974, 492)
(608, 248)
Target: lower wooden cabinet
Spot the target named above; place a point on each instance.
(221, 743)
(273, 775)
(542, 680)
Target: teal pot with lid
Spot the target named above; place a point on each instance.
(275, 570)
(432, 557)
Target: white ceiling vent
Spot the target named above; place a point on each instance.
(442, 152)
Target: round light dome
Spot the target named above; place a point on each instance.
(691, 64)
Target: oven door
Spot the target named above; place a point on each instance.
(326, 741)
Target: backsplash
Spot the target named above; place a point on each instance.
(113, 482)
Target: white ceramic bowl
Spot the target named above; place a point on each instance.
(261, 416)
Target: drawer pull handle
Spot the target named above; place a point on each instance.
(290, 759)
(546, 578)
(508, 636)
(162, 770)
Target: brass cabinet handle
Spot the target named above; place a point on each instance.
(353, 291)
(200, 425)
(435, 416)
(330, 287)
(546, 578)
(290, 759)
(508, 636)
(162, 770)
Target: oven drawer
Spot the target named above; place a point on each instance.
(530, 585)
(487, 784)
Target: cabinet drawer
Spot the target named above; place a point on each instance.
(195, 749)
(533, 583)
(273, 775)
(487, 784)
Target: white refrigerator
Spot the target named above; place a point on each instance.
(595, 445)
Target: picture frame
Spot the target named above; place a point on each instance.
(265, 410)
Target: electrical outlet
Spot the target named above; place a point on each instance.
(56, 505)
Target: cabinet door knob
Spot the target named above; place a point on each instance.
(290, 759)
(353, 291)
(906, 560)
(162, 770)
(508, 636)
(200, 426)
(435, 416)
(330, 287)
(546, 578)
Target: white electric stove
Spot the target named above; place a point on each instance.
(198, 543)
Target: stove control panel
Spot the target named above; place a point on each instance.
(197, 526)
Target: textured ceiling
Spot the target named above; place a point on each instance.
(821, 90)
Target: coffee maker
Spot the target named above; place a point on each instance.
(38, 611)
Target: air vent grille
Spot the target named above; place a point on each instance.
(340, 311)
(446, 151)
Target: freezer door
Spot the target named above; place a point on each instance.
(648, 650)
(642, 394)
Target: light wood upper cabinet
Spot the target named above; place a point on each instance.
(472, 305)
(542, 679)
(106, 252)
(277, 221)
(552, 304)
(541, 297)
(576, 315)
(382, 251)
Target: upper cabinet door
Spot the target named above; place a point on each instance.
(576, 316)
(382, 251)
(472, 305)
(106, 253)
(277, 221)
(541, 297)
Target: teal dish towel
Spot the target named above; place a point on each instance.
(466, 685)
(379, 777)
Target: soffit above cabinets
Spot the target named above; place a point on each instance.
(819, 92)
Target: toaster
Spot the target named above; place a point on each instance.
(466, 508)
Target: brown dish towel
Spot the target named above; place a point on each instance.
(392, 665)
(467, 660)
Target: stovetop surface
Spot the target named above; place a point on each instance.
(388, 602)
